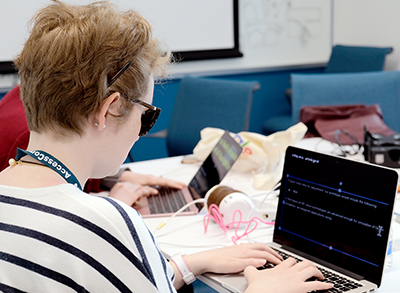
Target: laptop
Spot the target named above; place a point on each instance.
(211, 172)
(335, 212)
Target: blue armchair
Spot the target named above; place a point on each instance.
(382, 87)
(343, 59)
(356, 59)
(207, 102)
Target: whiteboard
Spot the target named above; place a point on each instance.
(272, 33)
(276, 34)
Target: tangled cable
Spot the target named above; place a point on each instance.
(215, 214)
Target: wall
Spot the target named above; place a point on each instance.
(369, 23)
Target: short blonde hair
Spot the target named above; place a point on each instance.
(71, 55)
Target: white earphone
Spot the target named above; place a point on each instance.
(229, 200)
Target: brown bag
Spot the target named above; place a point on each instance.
(324, 121)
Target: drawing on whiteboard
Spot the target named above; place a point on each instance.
(269, 23)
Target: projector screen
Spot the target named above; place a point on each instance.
(192, 29)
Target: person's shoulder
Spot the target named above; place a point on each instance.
(103, 209)
(98, 202)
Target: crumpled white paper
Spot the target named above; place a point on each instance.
(262, 155)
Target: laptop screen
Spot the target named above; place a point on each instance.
(336, 210)
(216, 165)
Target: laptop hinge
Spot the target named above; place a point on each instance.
(195, 195)
(324, 263)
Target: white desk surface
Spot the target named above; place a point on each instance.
(186, 233)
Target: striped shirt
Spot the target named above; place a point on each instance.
(60, 239)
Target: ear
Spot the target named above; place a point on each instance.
(105, 107)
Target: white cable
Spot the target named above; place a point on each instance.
(260, 194)
(267, 194)
(200, 200)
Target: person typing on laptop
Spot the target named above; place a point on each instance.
(87, 77)
(126, 186)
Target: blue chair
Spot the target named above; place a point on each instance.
(356, 59)
(367, 88)
(207, 102)
(343, 59)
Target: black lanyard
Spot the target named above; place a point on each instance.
(51, 162)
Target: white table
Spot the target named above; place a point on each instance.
(186, 233)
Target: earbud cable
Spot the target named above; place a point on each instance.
(200, 200)
(215, 214)
(267, 194)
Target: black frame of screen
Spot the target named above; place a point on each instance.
(7, 67)
(220, 53)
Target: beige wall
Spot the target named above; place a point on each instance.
(369, 23)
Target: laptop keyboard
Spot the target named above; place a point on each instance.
(341, 284)
(167, 200)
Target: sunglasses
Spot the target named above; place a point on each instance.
(150, 116)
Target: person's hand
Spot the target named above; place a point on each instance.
(287, 277)
(130, 193)
(150, 180)
(232, 259)
(133, 186)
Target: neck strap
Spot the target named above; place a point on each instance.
(51, 162)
